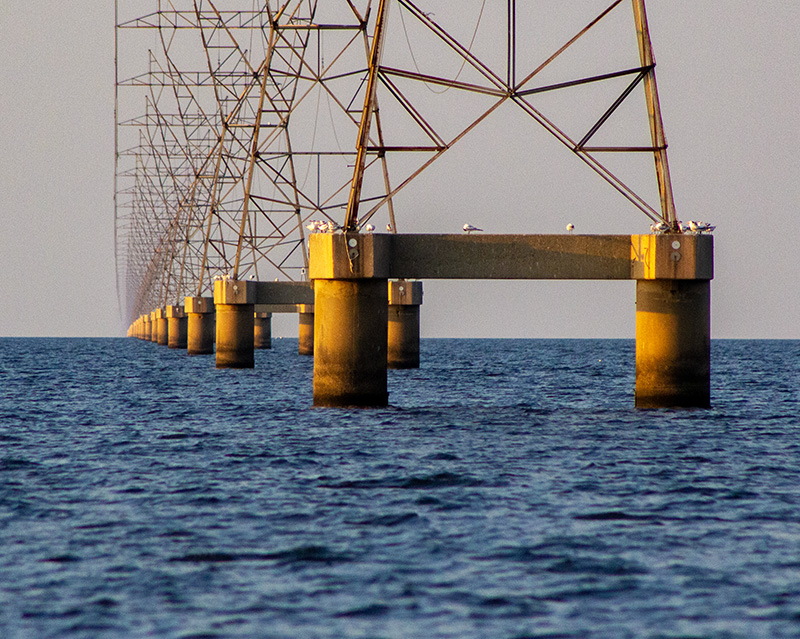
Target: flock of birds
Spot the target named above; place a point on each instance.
(327, 226)
(693, 227)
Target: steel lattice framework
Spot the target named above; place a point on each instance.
(238, 125)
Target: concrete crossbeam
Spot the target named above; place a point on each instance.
(277, 308)
(510, 257)
(263, 293)
(279, 293)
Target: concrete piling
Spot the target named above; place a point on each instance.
(200, 330)
(176, 326)
(153, 327)
(673, 320)
(350, 343)
(234, 304)
(305, 318)
(262, 326)
(162, 327)
(673, 343)
(235, 329)
(405, 298)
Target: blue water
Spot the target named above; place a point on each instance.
(511, 491)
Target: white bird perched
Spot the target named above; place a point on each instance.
(468, 228)
(570, 227)
(316, 226)
(369, 228)
(701, 227)
(388, 228)
(660, 228)
(684, 228)
(252, 277)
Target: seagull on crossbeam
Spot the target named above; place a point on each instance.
(468, 228)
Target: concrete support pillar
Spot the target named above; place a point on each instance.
(262, 330)
(235, 330)
(673, 343)
(405, 298)
(153, 327)
(162, 327)
(305, 315)
(234, 304)
(200, 328)
(350, 342)
(177, 326)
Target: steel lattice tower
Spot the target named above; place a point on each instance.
(237, 125)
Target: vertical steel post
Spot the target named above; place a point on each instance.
(654, 112)
(351, 221)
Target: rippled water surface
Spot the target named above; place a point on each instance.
(510, 492)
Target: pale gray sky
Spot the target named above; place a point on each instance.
(729, 78)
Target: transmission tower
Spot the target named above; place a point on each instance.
(238, 126)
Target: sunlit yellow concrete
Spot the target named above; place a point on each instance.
(673, 343)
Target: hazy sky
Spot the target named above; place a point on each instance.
(729, 78)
